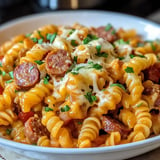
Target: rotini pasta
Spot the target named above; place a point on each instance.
(79, 87)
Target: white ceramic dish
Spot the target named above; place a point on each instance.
(147, 29)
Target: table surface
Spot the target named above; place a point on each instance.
(8, 155)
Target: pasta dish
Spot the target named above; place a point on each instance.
(79, 87)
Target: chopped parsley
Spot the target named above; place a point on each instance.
(75, 59)
(121, 41)
(0, 64)
(66, 108)
(79, 122)
(75, 70)
(51, 37)
(11, 74)
(121, 58)
(47, 109)
(103, 54)
(8, 131)
(46, 79)
(16, 91)
(9, 81)
(74, 43)
(108, 27)
(132, 56)
(39, 62)
(91, 98)
(95, 66)
(129, 70)
(89, 38)
(71, 31)
(31, 68)
(118, 85)
(98, 48)
(28, 34)
(113, 32)
(40, 41)
(34, 39)
(138, 105)
(153, 46)
(40, 35)
(3, 73)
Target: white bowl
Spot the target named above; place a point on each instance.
(147, 29)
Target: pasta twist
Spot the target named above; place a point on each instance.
(17, 133)
(43, 141)
(8, 96)
(7, 117)
(54, 126)
(89, 132)
(127, 117)
(113, 139)
(108, 99)
(7, 45)
(11, 56)
(143, 121)
(35, 95)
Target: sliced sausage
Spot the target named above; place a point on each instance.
(34, 129)
(112, 125)
(109, 35)
(26, 75)
(153, 73)
(58, 62)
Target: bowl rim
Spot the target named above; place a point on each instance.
(94, 150)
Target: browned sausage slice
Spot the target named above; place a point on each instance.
(112, 125)
(153, 73)
(58, 62)
(109, 35)
(34, 129)
(26, 75)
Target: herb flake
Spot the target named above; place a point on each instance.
(11, 74)
(39, 62)
(46, 79)
(129, 70)
(118, 85)
(47, 109)
(91, 98)
(108, 27)
(8, 131)
(66, 108)
(74, 43)
(51, 37)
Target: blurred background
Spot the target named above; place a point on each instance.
(10, 9)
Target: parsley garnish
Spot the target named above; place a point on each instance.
(8, 131)
(31, 68)
(79, 122)
(34, 39)
(71, 31)
(28, 34)
(51, 37)
(98, 48)
(74, 43)
(40, 41)
(96, 66)
(47, 109)
(103, 54)
(138, 105)
(153, 46)
(121, 41)
(91, 98)
(16, 91)
(3, 73)
(0, 64)
(65, 108)
(38, 62)
(132, 56)
(46, 78)
(75, 70)
(89, 38)
(40, 35)
(75, 59)
(9, 81)
(129, 70)
(11, 74)
(118, 85)
(120, 58)
(113, 32)
(108, 27)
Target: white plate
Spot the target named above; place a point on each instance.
(147, 29)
